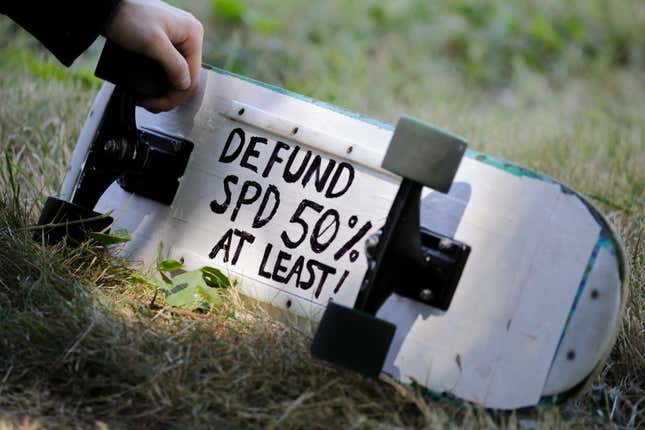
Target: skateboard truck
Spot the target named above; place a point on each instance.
(403, 257)
(142, 161)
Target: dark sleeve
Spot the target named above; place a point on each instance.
(65, 27)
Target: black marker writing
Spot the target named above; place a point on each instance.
(325, 175)
(224, 244)
(280, 270)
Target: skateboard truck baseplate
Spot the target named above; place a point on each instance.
(403, 257)
(141, 161)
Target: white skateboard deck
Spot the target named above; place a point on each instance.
(539, 300)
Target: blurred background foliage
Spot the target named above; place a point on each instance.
(488, 42)
(318, 48)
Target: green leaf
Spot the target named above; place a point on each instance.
(214, 277)
(151, 282)
(210, 295)
(169, 265)
(184, 293)
(187, 279)
(188, 298)
(117, 236)
(193, 297)
(197, 289)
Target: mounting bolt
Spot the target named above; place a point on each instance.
(110, 146)
(115, 148)
(445, 244)
(426, 295)
(372, 241)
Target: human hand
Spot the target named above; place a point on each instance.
(165, 34)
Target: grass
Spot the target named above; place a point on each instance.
(556, 86)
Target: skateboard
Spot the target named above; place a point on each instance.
(438, 265)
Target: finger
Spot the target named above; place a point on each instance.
(165, 103)
(194, 56)
(191, 48)
(172, 61)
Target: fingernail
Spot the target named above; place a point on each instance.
(185, 83)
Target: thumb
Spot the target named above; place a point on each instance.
(173, 62)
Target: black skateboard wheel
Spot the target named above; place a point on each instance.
(353, 339)
(61, 219)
